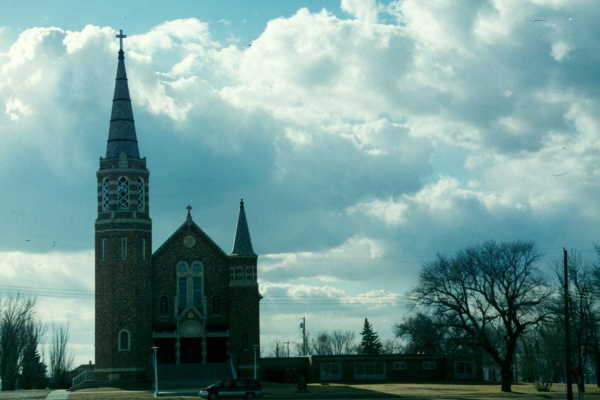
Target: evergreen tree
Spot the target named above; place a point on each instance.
(33, 370)
(370, 343)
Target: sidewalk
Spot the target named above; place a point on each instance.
(58, 395)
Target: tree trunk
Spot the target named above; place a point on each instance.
(597, 370)
(596, 351)
(507, 377)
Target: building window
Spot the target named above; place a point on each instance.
(164, 306)
(197, 267)
(124, 340)
(103, 249)
(245, 341)
(141, 195)
(369, 370)
(182, 290)
(429, 365)
(182, 268)
(105, 195)
(400, 365)
(123, 248)
(190, 284)
(330, 371)
(463, 370)
(197, 281)
(143, 248)
(123, 193)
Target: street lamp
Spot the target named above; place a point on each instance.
(155, 351)
(255, 347)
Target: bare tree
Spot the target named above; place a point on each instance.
(342, 342)
(321, 345)
(392, 346)
(492, 292)
(425, 335)
(280, 349)
(61, 362)
(16, 314)
(583, 315)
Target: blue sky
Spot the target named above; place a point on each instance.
(244, 20)
(365, 137)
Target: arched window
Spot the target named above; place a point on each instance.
(141, 195)
(164, 306)
(123, 193)
(105, 195)
(124, 340)
(197, 282)
(182, 285)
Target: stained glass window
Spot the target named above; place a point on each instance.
(182, 302)
(197, 281)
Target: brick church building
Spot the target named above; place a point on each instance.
(197, 303)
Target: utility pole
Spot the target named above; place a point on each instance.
(304, 344)
(567, 325)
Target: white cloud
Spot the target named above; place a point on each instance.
(365, 143)
(364, 10)
(560, 50)
(15, 109)
(348, 261)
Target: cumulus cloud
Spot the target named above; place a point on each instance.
(363, 142)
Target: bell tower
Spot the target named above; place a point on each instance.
(123, 240)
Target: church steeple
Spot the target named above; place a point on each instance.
(242, 245)
(121, 134)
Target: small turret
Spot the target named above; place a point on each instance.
(242, 245)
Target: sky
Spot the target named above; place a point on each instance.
(364, 136)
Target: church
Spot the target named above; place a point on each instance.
(194, 302)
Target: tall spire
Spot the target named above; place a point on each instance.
(121, 134)
(242, 245)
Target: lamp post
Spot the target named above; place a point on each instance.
(155, 351)
(255, 347)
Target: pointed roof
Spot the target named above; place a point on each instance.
(190, 226)
(242, 245)
(121, 134)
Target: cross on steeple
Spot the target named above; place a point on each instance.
(189, 213)
(121, 37)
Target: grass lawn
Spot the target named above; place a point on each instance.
(342, 391)
(428, 390)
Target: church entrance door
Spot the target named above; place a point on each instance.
(190, 350)
(216, 349)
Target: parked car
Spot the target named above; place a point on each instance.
(246, 388)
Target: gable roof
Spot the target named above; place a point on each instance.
(187, 224)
